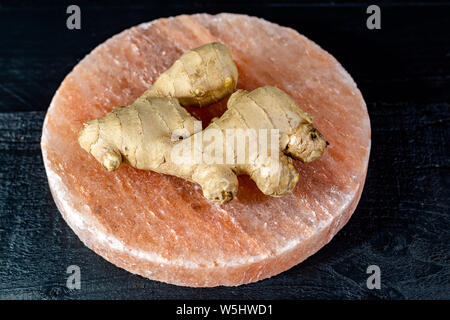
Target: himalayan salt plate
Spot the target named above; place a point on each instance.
(162, 227)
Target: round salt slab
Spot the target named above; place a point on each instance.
(160, 226)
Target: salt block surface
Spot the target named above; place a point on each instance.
(161, 227)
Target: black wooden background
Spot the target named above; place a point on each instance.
(401, 224)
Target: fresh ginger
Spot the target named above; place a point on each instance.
(142, 135)
(200, 77)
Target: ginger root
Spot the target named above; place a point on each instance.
(200, 77)
(248, 119)
(142, 135)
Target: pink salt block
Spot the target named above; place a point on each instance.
(161, 227)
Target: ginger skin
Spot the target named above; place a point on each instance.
(141, 134)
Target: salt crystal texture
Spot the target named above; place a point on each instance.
(161, 227)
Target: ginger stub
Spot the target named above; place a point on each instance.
(141, 134)
(200, 77)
